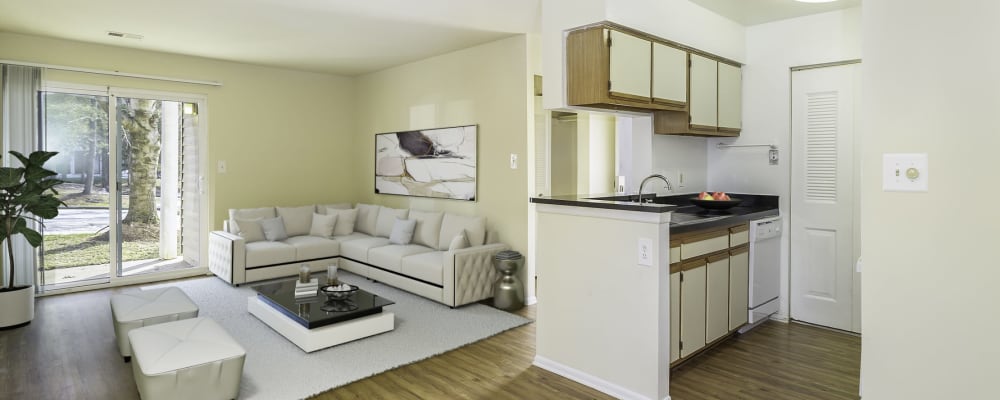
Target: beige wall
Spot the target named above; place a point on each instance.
(285, 135)
(487, 85)
(930, 297)
(563, 161)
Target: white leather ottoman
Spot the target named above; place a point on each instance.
(187, 359)
(147, 307)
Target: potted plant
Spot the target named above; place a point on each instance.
(26, 193)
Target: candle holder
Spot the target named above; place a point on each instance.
(304, 273)
(331, 273)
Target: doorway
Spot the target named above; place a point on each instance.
(124, 157)
(824, 286)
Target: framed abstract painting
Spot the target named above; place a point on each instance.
(437, 163)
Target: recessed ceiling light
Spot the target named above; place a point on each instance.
(124, 35)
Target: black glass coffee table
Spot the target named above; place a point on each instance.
(317, 322)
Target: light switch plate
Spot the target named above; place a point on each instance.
(513, 161)
(904, 172)
(221, 168)
(646, 252)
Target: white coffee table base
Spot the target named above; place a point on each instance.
(310, 340)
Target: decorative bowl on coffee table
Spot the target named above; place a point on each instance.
(338, 292)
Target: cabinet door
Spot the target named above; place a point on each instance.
(717, 298)
(669, 75)
(704, 92)
(675, 316)
(730, 97)
(630, 66)
(739, 287)
(692, 311)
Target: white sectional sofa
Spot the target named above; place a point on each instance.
(445, 257)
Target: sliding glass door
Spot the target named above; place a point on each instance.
(77, 249)
(128, 208)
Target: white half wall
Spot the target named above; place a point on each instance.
(772, 49)
(930, 294)
(676, 155)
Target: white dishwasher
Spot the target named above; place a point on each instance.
(765, 269)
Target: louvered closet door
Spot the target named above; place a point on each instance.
(822, 197)
(191, 190)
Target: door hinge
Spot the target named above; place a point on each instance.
(609, 86)
(681, 346)
(690, 63)
(682, 277)
(609, 40)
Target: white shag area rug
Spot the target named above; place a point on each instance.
(277, 369)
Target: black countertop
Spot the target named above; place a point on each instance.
(686, 217)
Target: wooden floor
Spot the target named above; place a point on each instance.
(69, 352)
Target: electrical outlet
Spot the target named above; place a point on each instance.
(221, 167)
(646, 252)
(772, 157)
(513, 161)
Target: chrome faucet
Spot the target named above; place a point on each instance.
(643, 184)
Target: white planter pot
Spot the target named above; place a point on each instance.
(17, 307)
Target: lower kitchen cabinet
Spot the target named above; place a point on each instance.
(708, 288)
(692, 319)
(717, 297)
(739, 285)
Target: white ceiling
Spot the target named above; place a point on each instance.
(753, 12)
(346, 37)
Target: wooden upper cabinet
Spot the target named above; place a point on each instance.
(730, 97)
(669, 75)
(629, 62)
(612, 69)
(704, 93)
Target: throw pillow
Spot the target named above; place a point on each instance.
(274, 229)
(297, 219)
(428, 227)
(250, 230)
(459, 242)
(367, 214)
(386, 218)
(322, 225)
(248, 214)
(345, 220)
(402, 231)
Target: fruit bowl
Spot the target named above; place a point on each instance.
(716, 204)
(338, 292)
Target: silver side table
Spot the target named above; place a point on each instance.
(508, 292)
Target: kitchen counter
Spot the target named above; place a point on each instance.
(686, 217)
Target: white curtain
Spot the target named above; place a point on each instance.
(20, 132)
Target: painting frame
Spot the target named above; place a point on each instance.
(440, 163)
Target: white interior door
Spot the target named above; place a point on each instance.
(823, 196)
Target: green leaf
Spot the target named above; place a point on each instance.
(24, 160)
(46, 207)
(34, 238)
(39, 157)
(10, 177)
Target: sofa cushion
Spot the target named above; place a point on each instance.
(452, 225)
(387, 218)
(312, 247)
(357, 249)
(248, 213)
(321, 208)
(249, 229)
(322, 225)
(390, 257)
(425, 266)
(346, 220)
(402, 231)
(297, 219)
(351, 236)
(428, 227)
(274, 229)
(367, 216)
(269, 253)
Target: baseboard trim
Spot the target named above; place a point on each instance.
(588, 379)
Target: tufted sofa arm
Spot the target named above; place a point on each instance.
(469, 274)
(227, 256)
